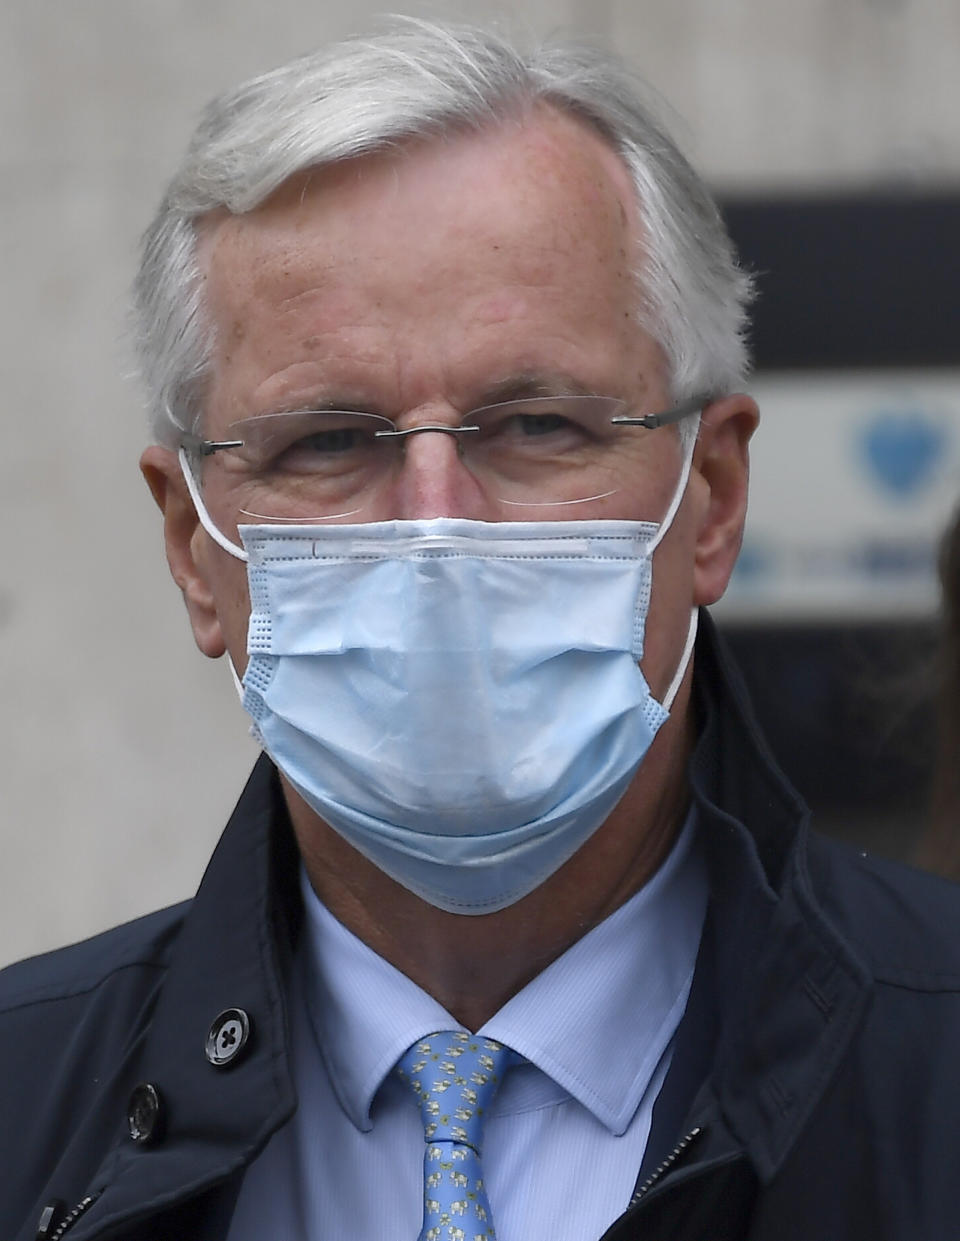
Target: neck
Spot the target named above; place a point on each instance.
(473, 964)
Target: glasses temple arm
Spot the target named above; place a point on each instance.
(205, 448)
(651, 421)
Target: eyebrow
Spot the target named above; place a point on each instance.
(531, 384)
(318, 405)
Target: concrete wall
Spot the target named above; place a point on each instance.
(121, 749)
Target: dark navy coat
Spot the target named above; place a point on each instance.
(814, 1093)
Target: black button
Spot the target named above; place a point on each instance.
(50, 1218)
(227, 1037)
(144, 1114)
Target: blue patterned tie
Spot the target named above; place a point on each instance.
(454, 1076)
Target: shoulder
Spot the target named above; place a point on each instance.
(86, 967)
(86, 1001)
(901, 1071)
(903, 923)
(69, 1020)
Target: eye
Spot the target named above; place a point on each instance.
(308, 441)
(541, 424)
(324, 450)
(335, 440)
(546, 429)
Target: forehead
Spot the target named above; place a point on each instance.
(529, 229)
(564, 156)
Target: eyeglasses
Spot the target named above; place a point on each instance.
(311, 465)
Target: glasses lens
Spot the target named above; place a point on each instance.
(551, 450)
(314, 466)
(300, 466)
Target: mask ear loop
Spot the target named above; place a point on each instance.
(652, 546)
(679, 493)
(681, 672)
(237, 683)
(205, 519)
(218, 537)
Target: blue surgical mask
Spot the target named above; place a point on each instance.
(461, 700)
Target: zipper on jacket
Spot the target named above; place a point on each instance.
(72, 1216)
(665, 1167)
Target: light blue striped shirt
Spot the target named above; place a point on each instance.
(567, 1132)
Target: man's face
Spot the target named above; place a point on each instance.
(425, 283)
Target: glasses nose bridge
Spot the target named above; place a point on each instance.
(429, 447)
(455, 432)
(433, 477)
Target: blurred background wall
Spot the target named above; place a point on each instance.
(829, 130)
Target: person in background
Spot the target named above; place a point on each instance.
(940, 847)
(517, 932)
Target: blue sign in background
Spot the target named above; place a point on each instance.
(901, 451)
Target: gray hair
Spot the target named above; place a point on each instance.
(418, 79)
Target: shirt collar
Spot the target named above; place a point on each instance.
(364, 1012)
(597, 1021)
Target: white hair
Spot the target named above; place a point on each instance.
(419, 79)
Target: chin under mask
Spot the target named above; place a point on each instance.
(461, 700)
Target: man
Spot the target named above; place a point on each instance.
(444, 351)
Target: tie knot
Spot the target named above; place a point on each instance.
(455, 1076)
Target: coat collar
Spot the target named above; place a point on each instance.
(790, 990)
(233, 952)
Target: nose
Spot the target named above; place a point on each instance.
(434, 480)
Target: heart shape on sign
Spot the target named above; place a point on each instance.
(903, 450)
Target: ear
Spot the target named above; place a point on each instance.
(184, 540)
(721, 460)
